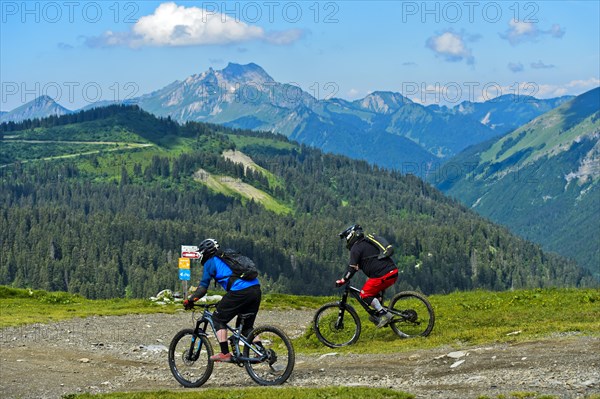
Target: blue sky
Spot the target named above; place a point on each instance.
(79, 52)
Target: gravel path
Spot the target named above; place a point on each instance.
(129, 353)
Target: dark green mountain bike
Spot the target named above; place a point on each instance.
(337, 324)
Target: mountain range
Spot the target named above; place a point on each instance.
(385, 128)
(507, 112)
(542, 180)
(102, 201)
(41, 107)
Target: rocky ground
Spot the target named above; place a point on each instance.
(129, 353)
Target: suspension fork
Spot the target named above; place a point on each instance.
(196, 343)
(342, 308)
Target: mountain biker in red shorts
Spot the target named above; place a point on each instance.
(381, 273)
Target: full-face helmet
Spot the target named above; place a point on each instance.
(352, 234)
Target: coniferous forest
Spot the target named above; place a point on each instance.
(108, 220)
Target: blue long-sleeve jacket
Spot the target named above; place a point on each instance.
(216, 268)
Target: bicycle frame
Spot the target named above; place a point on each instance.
(355, 293)
(236, 337)
(337, 324)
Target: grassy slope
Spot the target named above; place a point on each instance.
(229, 186)
(479, 317)
(546, 137)
(25, 306)
(474, 317)
(462, 318)
(112, 134)
(240, 157)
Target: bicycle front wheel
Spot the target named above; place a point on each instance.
(189, 358)
(412, 315)
(335, 326)
(278, 352)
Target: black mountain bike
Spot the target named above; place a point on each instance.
(268, 361)
(337, 324)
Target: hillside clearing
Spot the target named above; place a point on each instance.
(240, 157)
(231, 186)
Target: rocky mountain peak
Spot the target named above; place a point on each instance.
(245, 73)
(40, 107)
(383, 102)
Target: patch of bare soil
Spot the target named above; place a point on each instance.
(129, 353)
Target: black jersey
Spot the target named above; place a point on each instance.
(364, 254)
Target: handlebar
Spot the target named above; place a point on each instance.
(204, 305)
(201, 309)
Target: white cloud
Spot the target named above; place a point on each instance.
(574, 87)
(522, 28)
(521, 31)
(541, 90)
(451, 47)
(353, 94)
(556, 31)
(284, 37)
(173, 25)
(540, 65)
(453, 93)
(515, 66)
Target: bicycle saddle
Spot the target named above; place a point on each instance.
(245, 316)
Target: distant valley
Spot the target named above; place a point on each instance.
(542, 180)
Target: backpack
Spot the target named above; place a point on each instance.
(385, 248)
(242, 267)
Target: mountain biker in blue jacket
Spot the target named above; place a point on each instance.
(242, 296)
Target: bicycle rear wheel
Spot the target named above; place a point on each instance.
(280, 357)
(413, 315)
(336, 328)
(189, 358)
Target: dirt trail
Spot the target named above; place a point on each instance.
(128, 353)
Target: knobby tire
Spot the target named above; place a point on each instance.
(189, 372)
(333, 332)
(417, 318)
(281, 357)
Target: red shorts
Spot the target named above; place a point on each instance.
(375, 285)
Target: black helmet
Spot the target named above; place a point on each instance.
(352, 234)
(208, 248)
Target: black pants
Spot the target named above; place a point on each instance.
(235, 303)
